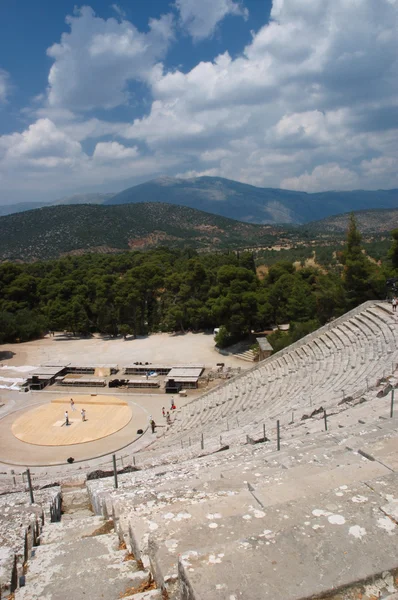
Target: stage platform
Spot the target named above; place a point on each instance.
(45, 425)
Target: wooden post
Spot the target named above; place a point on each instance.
(202, 442)
(115, 470)
(325, 418)
(278, 436)
(32, 500)
(392, 404)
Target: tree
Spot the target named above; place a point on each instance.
(393, 252)
(357, 268)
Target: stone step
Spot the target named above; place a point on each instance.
(92, 567)
(149, 595)
(299, 549)
(74, 529)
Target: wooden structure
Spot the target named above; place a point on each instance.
(90, 369)
(141, 369)
(44, 376)
(135, 383)
(185, 377)
(83, 381)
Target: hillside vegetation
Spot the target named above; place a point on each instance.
(174, 290)
(368, 221)
(51, 232)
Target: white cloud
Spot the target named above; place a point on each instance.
(324, 177)
(39, 144)
(311, 103)
(4, 85)
(315, 90)
(200, 17)
(96, 60)
(45, 162)
(110, 151)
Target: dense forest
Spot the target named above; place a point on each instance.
(177, 290)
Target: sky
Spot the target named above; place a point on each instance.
(297, 94)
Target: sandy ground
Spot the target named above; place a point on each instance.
(161, 348)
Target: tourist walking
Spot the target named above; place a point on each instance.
(83, 414)
(66, 418)
(153, 425)
(163, 412)
(72, 404)
(168, 418)
(394, 304)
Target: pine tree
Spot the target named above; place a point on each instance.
(357, 268)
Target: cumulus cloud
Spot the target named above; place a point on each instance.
(41, 144)
(200, 18)
(96, 60)
(4, 85)
(45, 162)
(316, 87)
(311, 103)
(106, 151)
(324, 177)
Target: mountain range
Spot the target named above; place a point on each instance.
(235, 200)
(253, 204)
(9, 209)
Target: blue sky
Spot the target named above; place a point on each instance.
(300, 94)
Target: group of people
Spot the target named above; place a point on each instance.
(72, 406)
(166, 415)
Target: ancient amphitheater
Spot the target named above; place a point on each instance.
(221, 507)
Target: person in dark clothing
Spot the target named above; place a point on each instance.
(153, 425)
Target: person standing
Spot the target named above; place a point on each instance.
(83, 413)
(153, 425)
(66, 418)
(394, 304)
(72, 404)
(163, 412)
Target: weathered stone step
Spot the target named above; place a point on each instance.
(91, 567)
(149, 595)
(300, 550)
(69, 530)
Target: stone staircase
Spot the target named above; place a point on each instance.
(247, 355)
(82, 558)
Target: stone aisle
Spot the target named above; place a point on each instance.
(81, 558)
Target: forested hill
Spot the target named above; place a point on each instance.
(368, 221)
(254, 204)
(51, 232)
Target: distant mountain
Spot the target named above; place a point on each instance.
(368, 221)
(9, 209)
(54, 231)
(253, 204)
